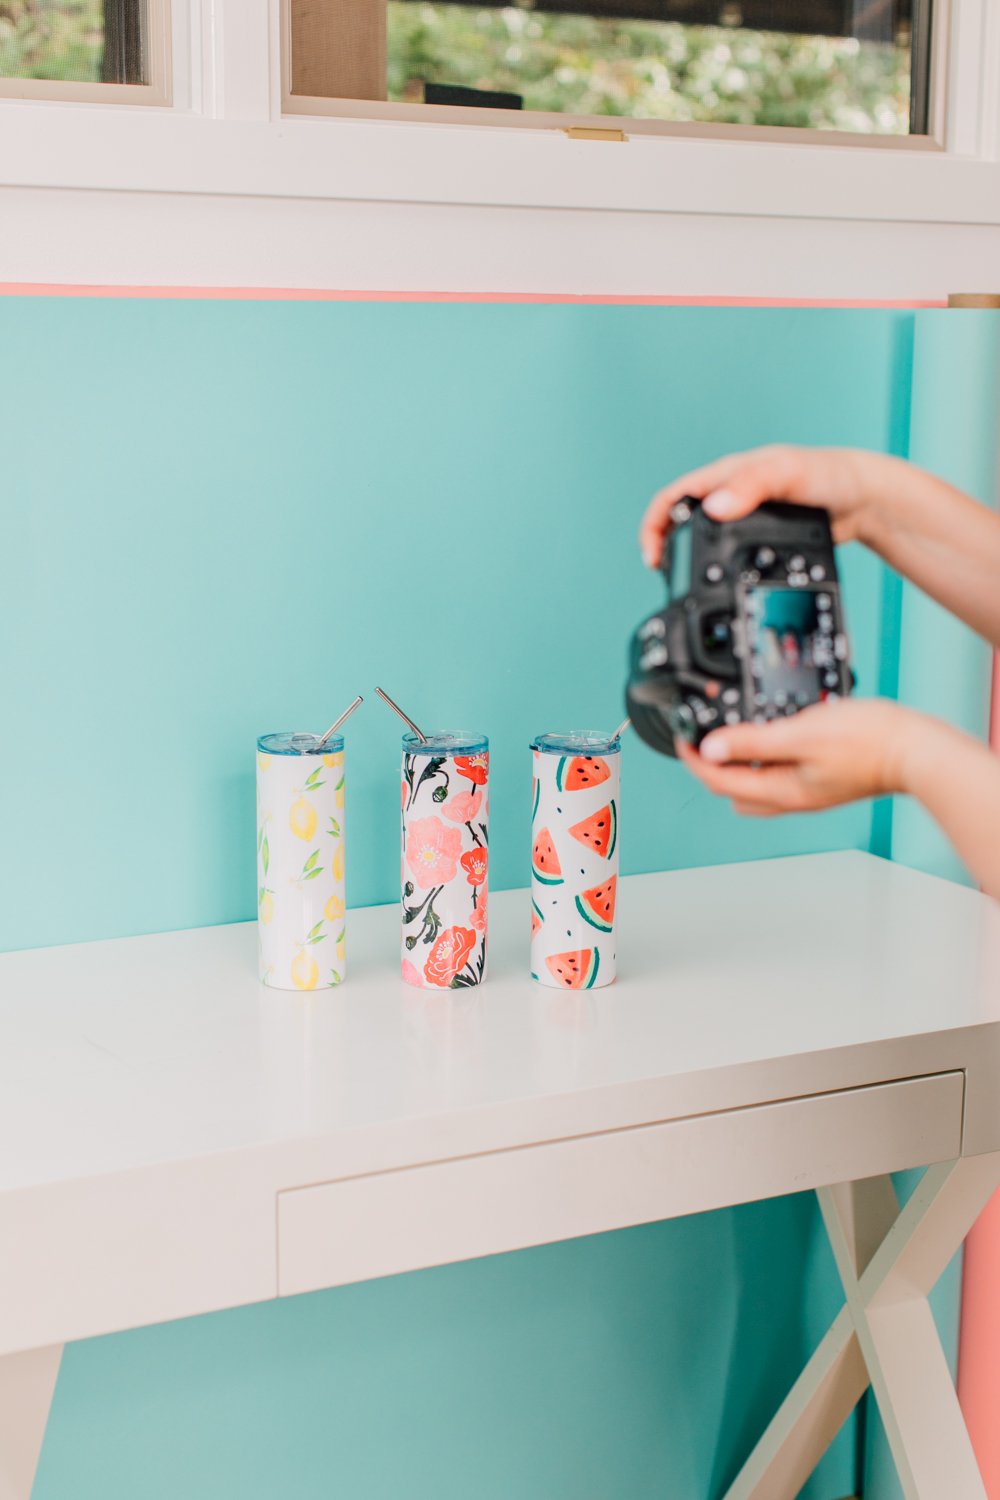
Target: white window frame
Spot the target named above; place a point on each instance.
(78, 91)
(227, 133)
(368, 109)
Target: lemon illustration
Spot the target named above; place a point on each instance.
(333, 761)
(265, 910)
(338, 863)
(341, 946)
(263, 761)
(334, 908)
(302, 819)
(305, 971)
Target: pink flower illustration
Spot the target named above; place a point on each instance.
(449, 955)
(478, 918)
(412, 975)
(432, 852)
(464, 806)
(474, 865)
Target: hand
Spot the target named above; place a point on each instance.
(841, 480)
(821, 757)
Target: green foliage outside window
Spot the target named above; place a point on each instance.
(55, 39)
(651, 70)
(575, 64)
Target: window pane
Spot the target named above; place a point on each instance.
(851, 65)
(79, 41)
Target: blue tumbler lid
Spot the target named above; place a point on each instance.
(304, 743)
(577, 742)
(447, 742)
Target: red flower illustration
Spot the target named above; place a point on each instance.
(449, 955)
(478, 918)
(475, 767)
(474, 865)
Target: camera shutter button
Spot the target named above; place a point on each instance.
(714, 573)
(766, 558)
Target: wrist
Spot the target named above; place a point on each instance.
(918, 754)
(877, 481)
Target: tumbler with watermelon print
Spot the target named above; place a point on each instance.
(445, 859)
(575, 797)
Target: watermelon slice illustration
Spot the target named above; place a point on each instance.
(575, 773)
(575, 971)
(597, 906)
(598, 832)
(536, 918)
(545, 864)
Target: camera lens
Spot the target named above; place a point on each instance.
(715, 633)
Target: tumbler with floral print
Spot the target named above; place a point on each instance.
(575, 810)
(301, 913)
(445, 859)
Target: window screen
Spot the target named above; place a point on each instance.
(74, 41)
(847, 65)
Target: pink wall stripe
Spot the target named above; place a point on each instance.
(303, 294)
(979, 1346)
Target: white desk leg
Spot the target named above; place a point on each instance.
(836, 1377)
(896, 1331)
(27, 1383)
(885, 1335)
(808, 1420)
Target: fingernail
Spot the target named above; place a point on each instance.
(650, 557)
(720, 504)
(715, 747)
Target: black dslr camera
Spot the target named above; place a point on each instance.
(752, 629)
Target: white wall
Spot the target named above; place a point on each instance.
(49, 235)
(224, 191)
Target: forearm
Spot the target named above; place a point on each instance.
(958, 780)
(946, 543)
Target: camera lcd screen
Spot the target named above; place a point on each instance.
(791, 635)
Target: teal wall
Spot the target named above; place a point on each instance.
(223, 518)
(231, 517)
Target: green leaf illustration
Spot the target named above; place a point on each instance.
(334, 829)
(334, 977)
(313, 782)
(311, 874)
(312, 938)
(311, 862)
(265, 855)
(341, 937)
(340, 785)
(261, 892)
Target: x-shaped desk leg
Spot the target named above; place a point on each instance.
(885, 1337)
(27, 1382)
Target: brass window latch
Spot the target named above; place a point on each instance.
(594, 133)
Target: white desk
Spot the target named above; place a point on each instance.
(176, 1139)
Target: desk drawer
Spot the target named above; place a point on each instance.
(363, 1227)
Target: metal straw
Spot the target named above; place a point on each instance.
(621, 729)
(405, 717)
(344, 716)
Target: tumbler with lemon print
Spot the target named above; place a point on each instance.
(301, 908)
